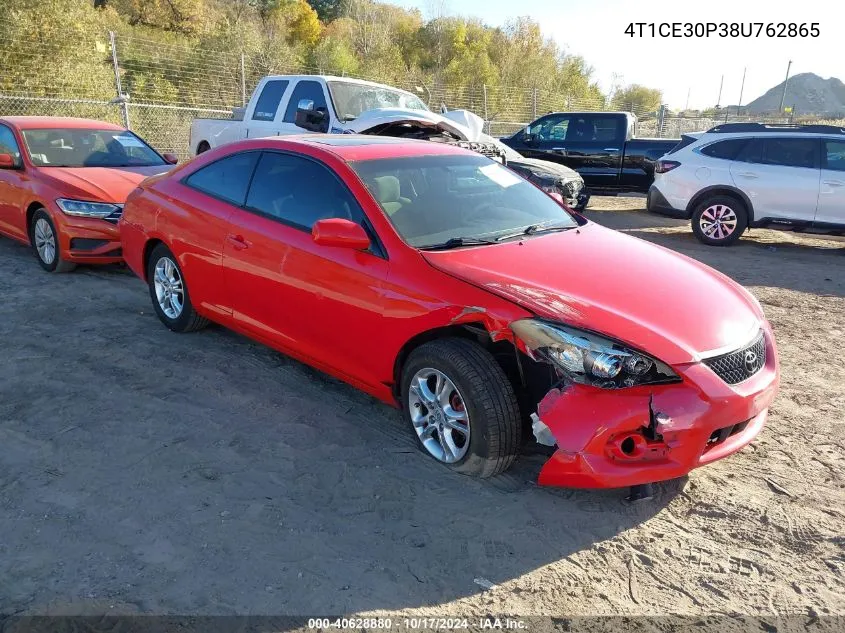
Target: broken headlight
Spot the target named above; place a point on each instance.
(589, 358)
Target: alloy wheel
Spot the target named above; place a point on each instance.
(169, 289)
(718, 222)
(45, 241)
(439, 415)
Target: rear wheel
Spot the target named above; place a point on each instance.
(719, 220)
(461, 407)
(45, 242)
(169, 292)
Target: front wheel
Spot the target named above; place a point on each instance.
(719, 220)
(461, 407)
(169, 292)
(45, 242)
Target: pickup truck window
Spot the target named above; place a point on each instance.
(268, 102)
(310, 90)
(351, 99)
(595, 129)
(226, 179)
(299, 191)
(550, 129)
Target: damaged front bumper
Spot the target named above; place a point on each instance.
(628, 437)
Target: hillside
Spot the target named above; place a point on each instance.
(807, 93)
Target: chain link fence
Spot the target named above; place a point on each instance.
(157, 89)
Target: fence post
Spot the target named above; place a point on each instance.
(243, 80)
(122, 99)
(486, 116)
(534, 103)
(661, 119)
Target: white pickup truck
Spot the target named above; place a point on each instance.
(296, 104)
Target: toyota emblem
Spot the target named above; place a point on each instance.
(751, 360)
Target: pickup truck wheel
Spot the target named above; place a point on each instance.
(169, 292)
(203, 147)
(45, 242)
(461, 406)
(719, 220)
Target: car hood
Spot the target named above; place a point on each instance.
(100, 184)
(461, 123)
(547, 168)
(656, 300)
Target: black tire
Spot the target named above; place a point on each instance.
(494, 420)
(734, 205)
(203, 147)
(187, 320)
(57, 264)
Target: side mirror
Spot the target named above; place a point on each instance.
(341, 233)
(310, 119)
(7, 161)
(170, 159)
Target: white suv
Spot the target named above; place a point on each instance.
(741, 175)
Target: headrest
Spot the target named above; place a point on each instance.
(386, 188)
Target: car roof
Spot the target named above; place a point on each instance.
(54, 122)
(353, 147)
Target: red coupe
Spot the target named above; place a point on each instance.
(434, 278)
(63, 183)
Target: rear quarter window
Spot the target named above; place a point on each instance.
(728, 149)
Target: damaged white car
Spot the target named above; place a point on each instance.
(293, 104)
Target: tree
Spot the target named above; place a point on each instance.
(327, 10)
(638, 99)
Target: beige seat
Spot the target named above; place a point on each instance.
(387, 192)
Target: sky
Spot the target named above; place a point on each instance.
(682, 68)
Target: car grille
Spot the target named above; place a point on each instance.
(735, 367)
(115, 216)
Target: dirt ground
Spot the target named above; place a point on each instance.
(153, 472)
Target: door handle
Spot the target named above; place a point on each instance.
(238, 242)
(834, 183)
(562, 150)
(748, 174)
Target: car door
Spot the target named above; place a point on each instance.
(780, 175)
(197, 226)
(13, 187)
(262, 119)
(544, 139)
(316, 301)
(831, 208)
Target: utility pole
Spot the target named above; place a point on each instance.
(686, 107)
(721, 84)
(785, 82)
(741, 90)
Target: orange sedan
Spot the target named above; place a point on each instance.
(63, 183)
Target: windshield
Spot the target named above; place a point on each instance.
(351, 99)
(433, 199)
(88, 148)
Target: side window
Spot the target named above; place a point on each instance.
(791, 152)
(752, 152)
(268, 102)
(728, 149)
(834, 155)
(299, 191)
(609, 130)
(588, 129)
(227, 178)
(8, 144)
(310, 90)
(552, 128)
